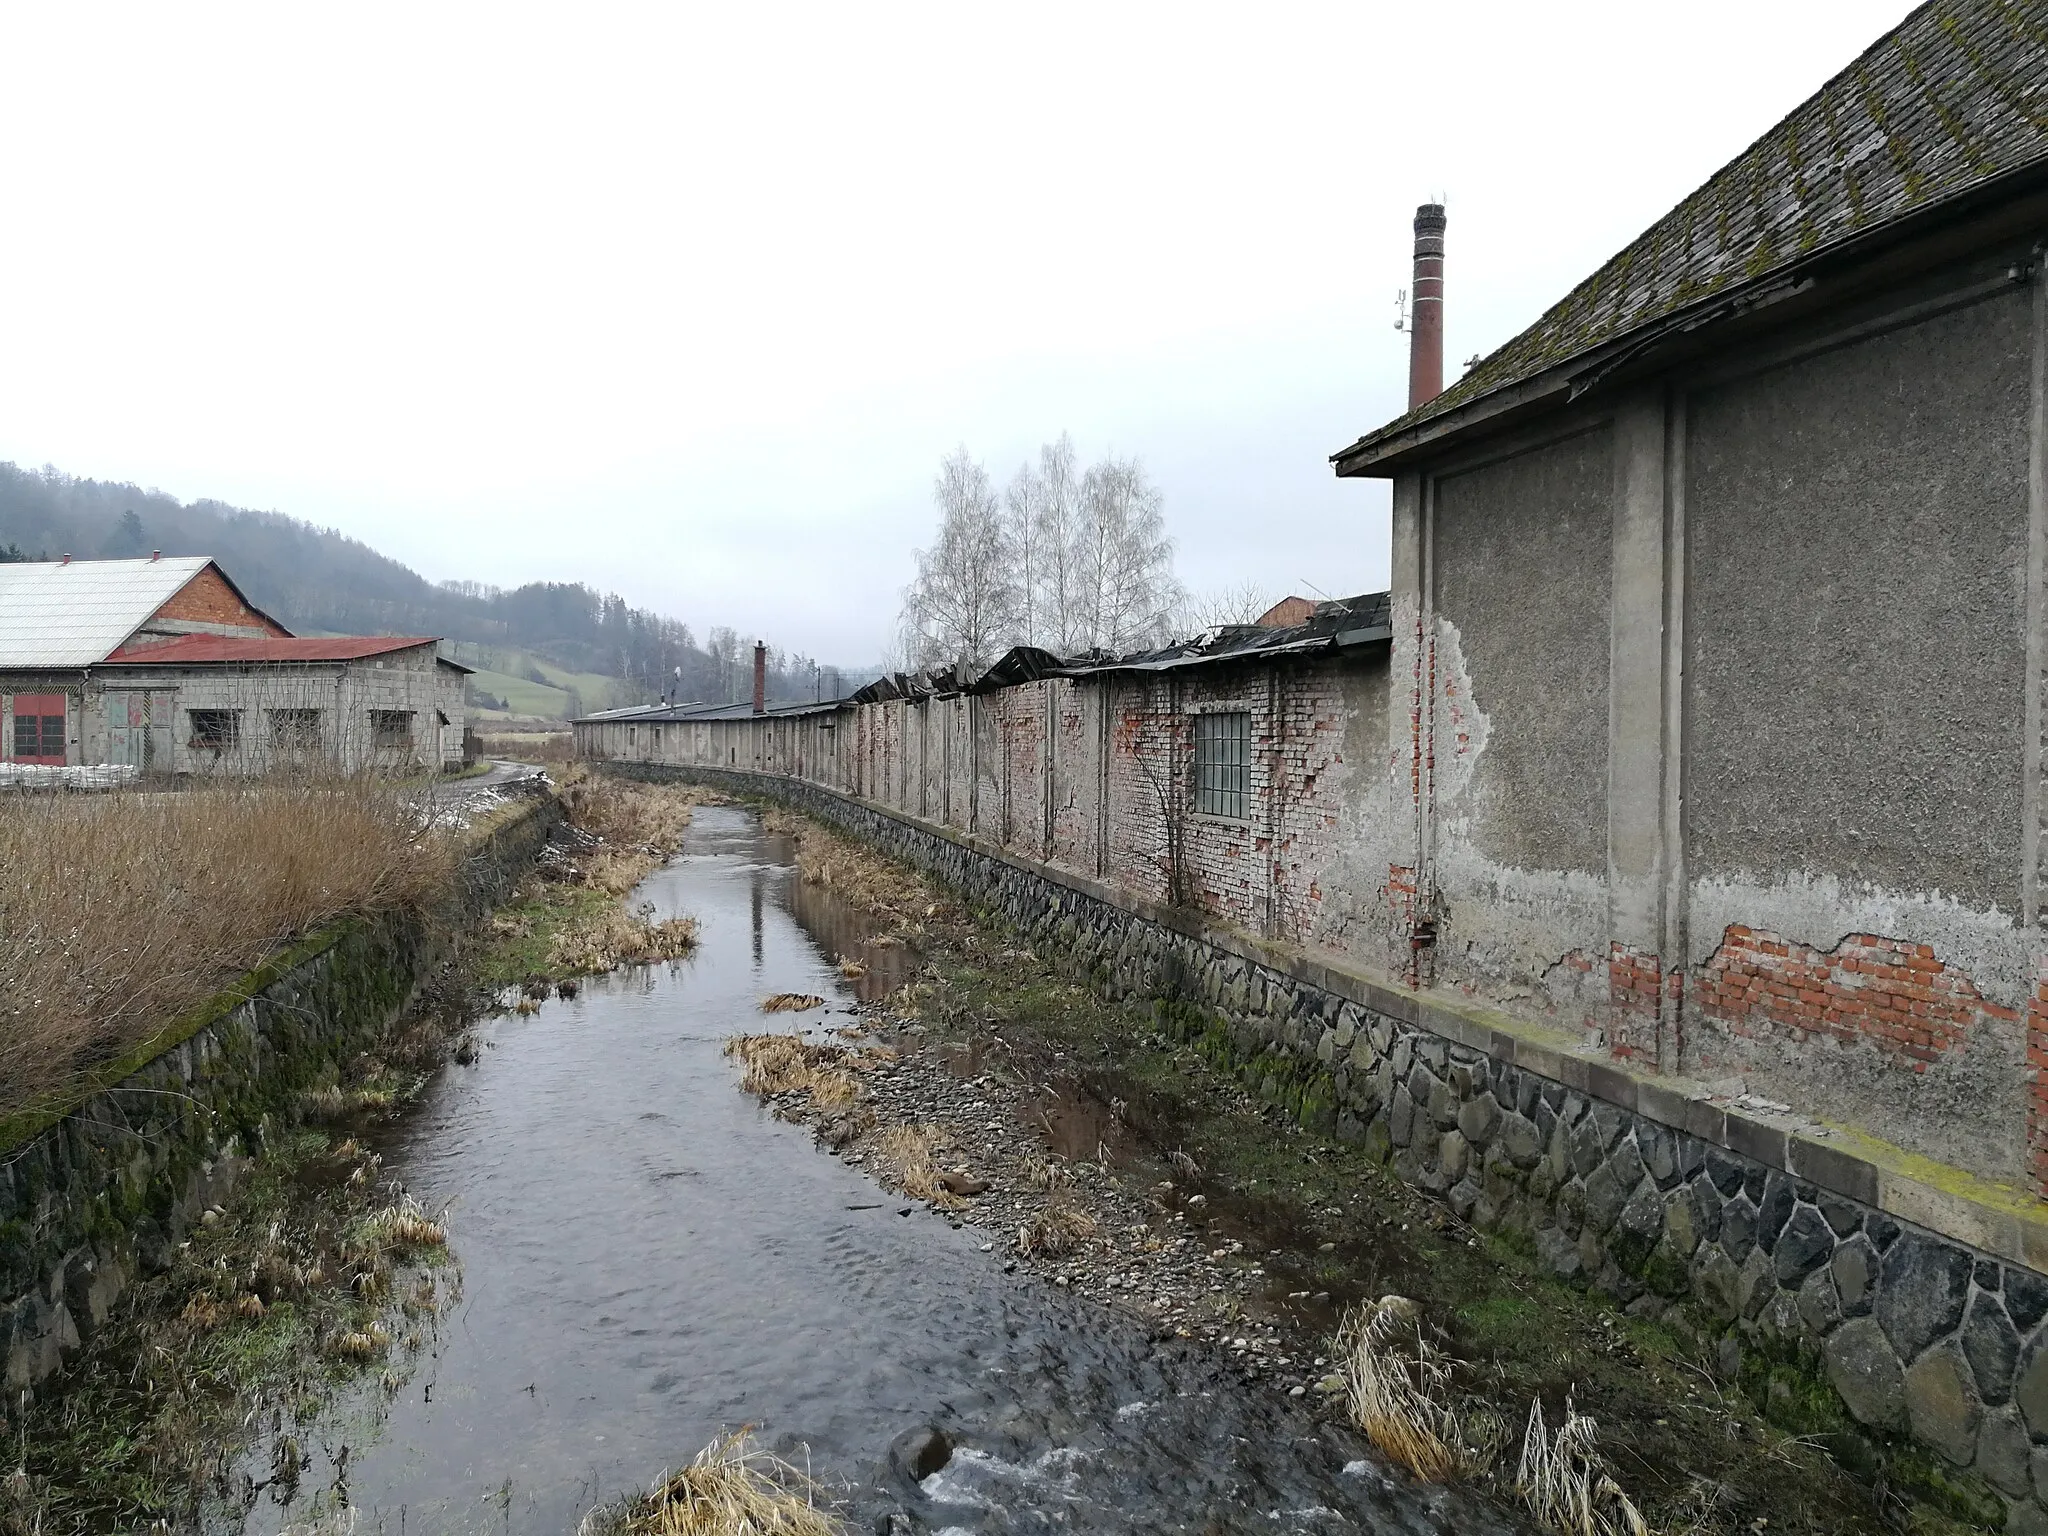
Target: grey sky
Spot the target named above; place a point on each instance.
(689, 301)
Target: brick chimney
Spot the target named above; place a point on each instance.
(760, 678)
(1426, 322)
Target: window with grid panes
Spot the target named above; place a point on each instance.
(1223, 755)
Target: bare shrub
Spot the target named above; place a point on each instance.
(731, 1488)
(1397, 1389)
(121, 911)
(1565, 1483)
(647, 818)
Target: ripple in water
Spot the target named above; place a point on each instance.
(650, 1259)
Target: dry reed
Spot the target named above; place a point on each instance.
(122, 911)
(1565, 1483)
(791, 1002)
(903, 1155)
(1397, 1389)
(732, 1488)
(775, 1064)
(1057, 1230)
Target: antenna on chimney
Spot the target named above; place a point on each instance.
(1400, 309)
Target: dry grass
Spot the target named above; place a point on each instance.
(732, 1488)
(790, 1064)
(1397, 1389)
(121, 911)
(1057, 1230)
(791, 1002)
(618, 937)
(904, 1156)
(862, 878)
(529, 746)
(1565, 1483)
(650, 819)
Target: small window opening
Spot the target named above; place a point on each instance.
(215, 730)
(1222, 764)
(390, 728)
(295, 730)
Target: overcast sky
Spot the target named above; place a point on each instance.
(689, 301)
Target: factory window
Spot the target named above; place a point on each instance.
(390, 728)
(215, 730)
(295, 730)
(1223, 750)
(38, 728)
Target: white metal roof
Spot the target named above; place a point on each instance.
(72, 613)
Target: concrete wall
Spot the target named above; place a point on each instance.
(1520, 562)
(1095, 775)
(1856, 573)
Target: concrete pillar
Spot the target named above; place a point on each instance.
(1645, 734)
(1409, 687)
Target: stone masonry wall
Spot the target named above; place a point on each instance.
(95, 1194)
(1805, 1283)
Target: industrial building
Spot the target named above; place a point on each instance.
(163, 666)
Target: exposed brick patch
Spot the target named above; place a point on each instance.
(1635, 982)
(1890, 993)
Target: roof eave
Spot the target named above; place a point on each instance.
(1384, 452)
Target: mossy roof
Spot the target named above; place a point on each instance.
(1954, 96)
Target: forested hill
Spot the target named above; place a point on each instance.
(317, 579)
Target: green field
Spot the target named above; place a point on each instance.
(504, 673)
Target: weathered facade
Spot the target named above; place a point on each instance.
(1754, 791)
(1697, 782)
(162, 666)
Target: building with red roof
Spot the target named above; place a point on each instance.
(164, 666)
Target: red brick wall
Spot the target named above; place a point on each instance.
(1890, 993)
(208, 599)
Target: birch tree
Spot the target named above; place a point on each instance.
(1126, 593)
(963, 607)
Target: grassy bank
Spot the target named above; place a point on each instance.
(570, 917)
(316, 1273)
(121, 911)
(1700, 1441)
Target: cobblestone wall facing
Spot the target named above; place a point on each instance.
(104, 1190)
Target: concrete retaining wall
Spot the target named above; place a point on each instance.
(98, 1191)
(1792, 1246)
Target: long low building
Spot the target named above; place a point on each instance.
(163, 666)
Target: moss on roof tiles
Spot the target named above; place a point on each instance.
(1955, 94)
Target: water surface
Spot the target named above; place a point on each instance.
(650, 1259)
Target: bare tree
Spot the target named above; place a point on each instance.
(723, 643)
(1127, 592)
(1023, 507)
(1240, 604)
(963, 607)
(1059, 526)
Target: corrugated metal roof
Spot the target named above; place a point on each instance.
(57, 613)
(1946, 103)
(200, 650)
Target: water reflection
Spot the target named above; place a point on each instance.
(650, 1259)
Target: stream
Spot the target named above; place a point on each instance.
(650, 1259)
